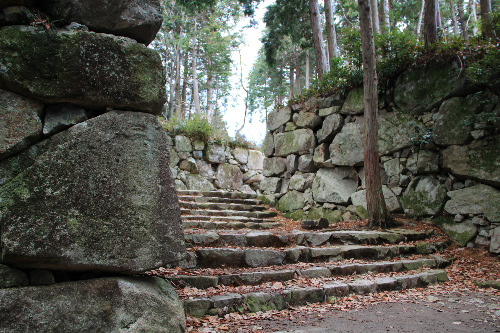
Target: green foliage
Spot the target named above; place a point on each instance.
(487, 69)
(240, 141)
(196, 128)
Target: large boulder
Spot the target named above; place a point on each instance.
(229, 176)
(450, 125)
(481, 163)
(255, 160)
(292, 200)
(335, 185)
(279, 117)
(62, 116)
(478, 199)
(308, 120)
(128, 304)
(420, 89)
(495, 241)
(392, 202)
(270, 185)
(268, 145)
(331, 126)
(98, 197)
(424, 196)
(240, 155)
(137, 19)
(274, 166)
(83, 68)
(397, 130)
(183, 144)
(423, 161)
(216, 153)
(354, 103)
(197, 182)
(300, 141)
(462, 232)
(20, 123)
(347, 146)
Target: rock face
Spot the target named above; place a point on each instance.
(392, 202)
(479, 199)
(423, 197)
(347, 147)
(20, 123)
(83, 68)
(62, 116)
(298, 141)
(229, 177)
(335, 185)
(278, 118)
(122, 217)
(131, 304)
(137, 19)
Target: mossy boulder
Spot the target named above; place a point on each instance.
(347, 147)
(128, 304)
(478, 199)
(198, 183)
(462, 232)
(354, 103)
(98, 197)
(335, 185)
(229, 176)
(291, 201)
(300, 141)
(481, 163)
(397, 130)
(359, 199)
(137, 19)
(277, 118)
(20, 123)
(424, 196)
(421, 88)
(83, 68)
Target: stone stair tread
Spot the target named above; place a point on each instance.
(282, 296)
(227, 212)
(209, 225)
(290, 272)
(225, 218)
(221, 206)
(288, 238)
(210, 257)
(218, 194)
(201, 199)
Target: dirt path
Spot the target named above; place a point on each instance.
(471, 312)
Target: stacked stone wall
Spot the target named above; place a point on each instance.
(196, 165)
(440, 157)
(87, 197)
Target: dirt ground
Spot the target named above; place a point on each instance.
(466, 312)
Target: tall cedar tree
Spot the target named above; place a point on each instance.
(430, 23)
(317, 30)
(377, 209)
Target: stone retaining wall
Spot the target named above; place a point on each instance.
(440, 158)
(196, 165)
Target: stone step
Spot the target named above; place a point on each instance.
(235, 213)
(304, 238)
(281, 275)
(221, 206)
(329, 291)
(242, 219)
(209, 225)
(262, 257)
(201, 199)
(218, 194)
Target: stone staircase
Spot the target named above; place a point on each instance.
(231, 267)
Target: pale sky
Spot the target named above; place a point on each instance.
(255, 130)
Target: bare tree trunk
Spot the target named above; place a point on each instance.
(385, 15)
(178, 61)
(454, 20)
(196, 95)
(375, 19)
(297, 72)
(331, 33)
(474, 17)
(292, 82)
(171, 84)
(184, 87)
(317, 30)
(308, 65)
(210, 89)
(377, 209)
(420, 19)
(487, 28)
(463, 20)
(430, 23)
(439, 18)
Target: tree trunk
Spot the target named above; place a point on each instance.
(178, 61)
(474, 17)
(377, 209)
(430, 23)
(196, 95)
(317, 30)
(454, 20)
(385, 15)
(171, 84)
(308, 60)
(439, 18)
(331, 33)
(210, 89)
(375, 18)
(184, 87)
(487, 28)
(420, 19)
(297, 72)
(463, 20)
(292, 82)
